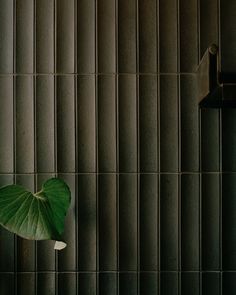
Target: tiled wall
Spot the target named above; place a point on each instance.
(104, 94)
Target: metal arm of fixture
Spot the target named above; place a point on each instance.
(216, 89)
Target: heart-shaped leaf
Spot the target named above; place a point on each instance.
(38, 216)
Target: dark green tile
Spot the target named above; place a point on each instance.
(228, 222)
(168, 36)
(190, 283)
(65, 36)
(26, 283)
(106, 28)
(127, 36)
(45, 35)
(127, 108)
(86, 124)
(65, 107)
(106, 124)
(107, 222)
(189, 124)
(108, 283)
(128, 222)
(211, 222)
(147, 31)
(188, 12)
(210, 140)
(169, 224)
(169, 283)
(67, 283)
(128, 284)
(86, 243)
(87, 284)
(169, 121)
(148, 283)
(211, 283)
(46, 283)
(86, 31)
(148, 214)
(148, 126)
(190, 222)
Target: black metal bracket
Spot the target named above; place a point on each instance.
(216, 89)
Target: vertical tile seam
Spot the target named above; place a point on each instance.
(200, 156)
(138, 147)
(14, 134)
(117, 147)
(220, 157)
(179, 147)
(76, 141)
(158, 151)
(55, 124)
(96, 143)
(75, 37)
(34, 127)
(200, 200)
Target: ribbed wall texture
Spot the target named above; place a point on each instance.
(103, 94)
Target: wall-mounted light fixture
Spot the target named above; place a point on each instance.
(216, 89)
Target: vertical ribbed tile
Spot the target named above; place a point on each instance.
(148, 131)
(128, 284)
(148, 213)
(106, 36)
(210, 140)
(7, 284)
(25, 248)
(208, 24)
(127, 36)
(229, 140)
(45, 249)
(169, 283)
(127, 108)
(106, 124)
(169, 222)
(190, 229)
(86, 36)
(45, 144)
(108, 284)
(148, 284)
(86, 128)
(127, 222)
(190, 283)
(229, 283)
(65, 124)
(67, 283)
(228, 222)
(24, 123)
(227, 35)
(147, 32)
(6, 237)
(169, 123)
(45, 36)
(211, 283)
(25, 283)
(46, 283)
(6, 35)
(211, 222)
(87, 284)
(67, 257)
(6, 125)
(188, 18)
(189, 124)
(107, 222)
(86, 222)
(24, 36)
(168, 36)
(65, 46)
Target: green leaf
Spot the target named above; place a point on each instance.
(38, 216)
